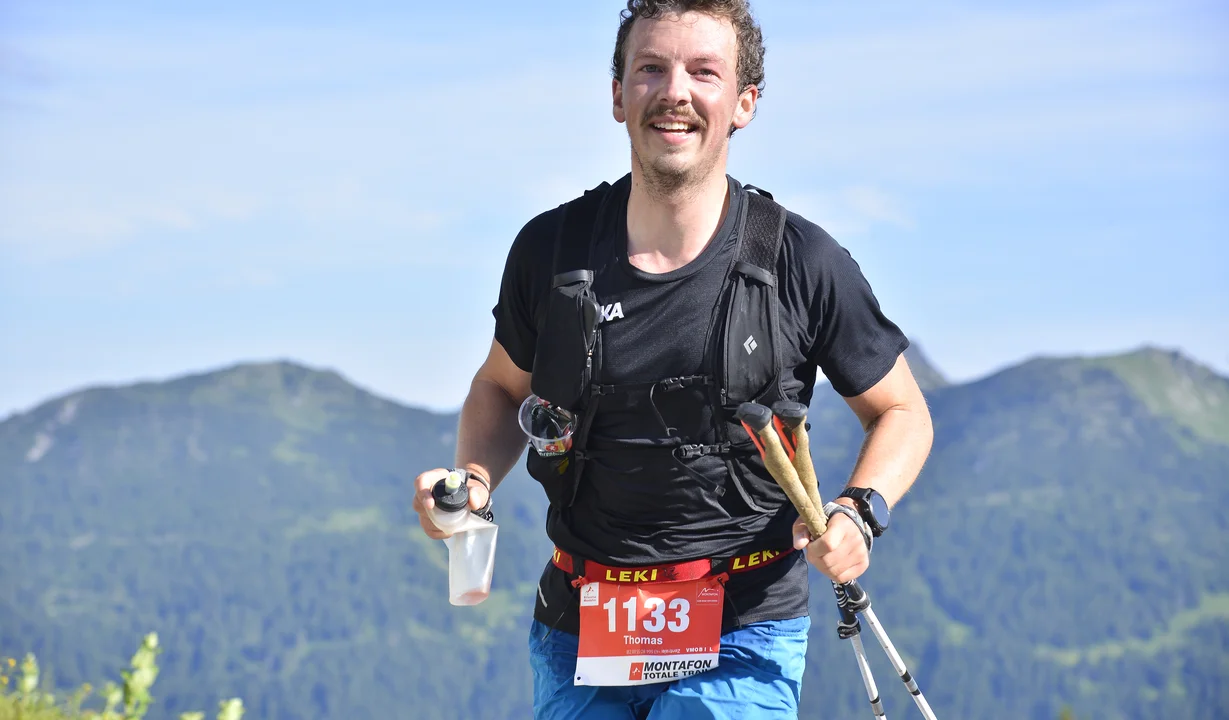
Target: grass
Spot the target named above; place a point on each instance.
(1172, 387)
(22, 696)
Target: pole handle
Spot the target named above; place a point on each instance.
(791, 418)
(757, 420)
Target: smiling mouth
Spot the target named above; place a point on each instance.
(675, 128)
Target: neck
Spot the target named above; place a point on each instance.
(665, 231)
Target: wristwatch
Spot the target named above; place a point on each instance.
(871, 506)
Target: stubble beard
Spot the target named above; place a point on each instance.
(666, 178)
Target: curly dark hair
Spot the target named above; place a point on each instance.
(738, 12)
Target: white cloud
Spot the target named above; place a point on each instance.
(48, 222)
(849, 212)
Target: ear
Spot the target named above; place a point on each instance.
(616, 89)
(745, 109)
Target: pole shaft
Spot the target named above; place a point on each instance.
(882, 636)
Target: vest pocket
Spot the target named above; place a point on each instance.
(555, 473)
(750, 352)
(561, 373)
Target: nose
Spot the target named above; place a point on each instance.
(676, 90)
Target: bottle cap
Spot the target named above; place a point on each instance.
(452, 493)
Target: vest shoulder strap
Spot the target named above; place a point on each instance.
(574, 242)
(761, 242)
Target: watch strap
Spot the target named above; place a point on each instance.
(861, 498)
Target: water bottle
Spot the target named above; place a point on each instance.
(451, 497)
(471, 547)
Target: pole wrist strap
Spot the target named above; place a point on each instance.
(852, 514)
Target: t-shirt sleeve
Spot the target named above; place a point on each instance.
(852, 341)
(525, 281)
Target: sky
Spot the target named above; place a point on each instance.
(189, 185)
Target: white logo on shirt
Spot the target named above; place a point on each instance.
(612, 312)
(749, 344)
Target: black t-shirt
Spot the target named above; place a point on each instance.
(641, 508)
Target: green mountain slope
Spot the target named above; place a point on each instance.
(258, 519)
(1174, 387)
(1063, 545)
(1065, 542)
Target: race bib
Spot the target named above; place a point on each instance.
(639, 634)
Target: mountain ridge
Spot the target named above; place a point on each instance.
(928, 375)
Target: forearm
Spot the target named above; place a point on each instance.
(894, 450)
(489, 440)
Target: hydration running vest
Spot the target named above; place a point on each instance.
(744, 357)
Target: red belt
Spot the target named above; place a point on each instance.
(590, 571)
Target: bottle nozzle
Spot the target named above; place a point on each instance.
(452, 493)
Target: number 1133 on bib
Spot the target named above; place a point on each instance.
(636, 634)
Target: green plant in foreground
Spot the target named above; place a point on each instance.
(26, 702)
(227, 710)
(140, 679)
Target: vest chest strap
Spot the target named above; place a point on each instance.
(691, 452)
(666, 385)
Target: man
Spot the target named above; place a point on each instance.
(662, 482)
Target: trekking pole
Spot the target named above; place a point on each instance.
(849, 629)
(781, 438)
(793, 418)
(852, 599)
(780, 449)
(789, 419)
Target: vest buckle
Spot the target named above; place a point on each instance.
(671, 384)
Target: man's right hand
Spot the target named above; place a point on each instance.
(423, 501)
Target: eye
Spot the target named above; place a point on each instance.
(705, 71)
(650, 68)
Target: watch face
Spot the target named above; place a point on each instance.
(879, 507)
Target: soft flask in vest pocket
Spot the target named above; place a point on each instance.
(562, 375)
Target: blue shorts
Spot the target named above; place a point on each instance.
(758, 675)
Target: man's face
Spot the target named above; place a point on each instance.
(679, 97)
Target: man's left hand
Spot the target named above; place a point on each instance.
(840, 553)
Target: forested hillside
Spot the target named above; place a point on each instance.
(1066, 544)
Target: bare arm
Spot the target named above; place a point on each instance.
(489, 440)
(898, 434)
(898, 438)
